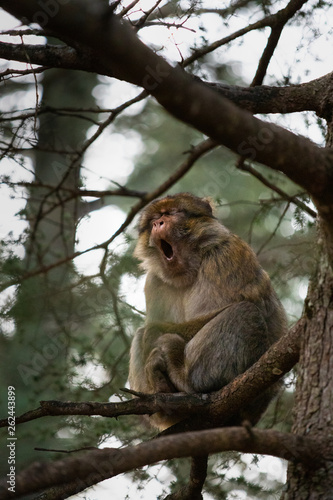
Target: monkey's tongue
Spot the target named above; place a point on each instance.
(167, 249)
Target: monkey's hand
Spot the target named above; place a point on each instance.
(156, 372)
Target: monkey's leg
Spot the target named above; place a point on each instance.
(226, 347)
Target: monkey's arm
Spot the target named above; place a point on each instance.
(186, 330)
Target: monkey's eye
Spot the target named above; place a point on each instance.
(155, 217)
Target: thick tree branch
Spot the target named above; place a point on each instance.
(145, 404)
(189, 100)
(309, 96)
(52, 56)
(97, 465)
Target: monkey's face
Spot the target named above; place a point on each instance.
(174, 233)
(168, 240)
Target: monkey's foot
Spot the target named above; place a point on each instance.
(156, 372)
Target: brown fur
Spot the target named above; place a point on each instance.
(211, 309)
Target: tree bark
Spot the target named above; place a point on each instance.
(314, 389)
(313, 406)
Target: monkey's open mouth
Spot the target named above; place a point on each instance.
(167, 249)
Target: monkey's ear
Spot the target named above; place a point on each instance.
(211, 203)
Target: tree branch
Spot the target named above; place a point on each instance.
(309, 96)
(280, 20)
(145, 404)
(50, 56)
(120, 50)
(95, 466)
(245, 167)
(273, 20)
(272, 42)
(192, 490)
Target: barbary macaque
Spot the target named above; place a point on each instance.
(211, 308)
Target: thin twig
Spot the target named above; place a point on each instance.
(241, 165)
